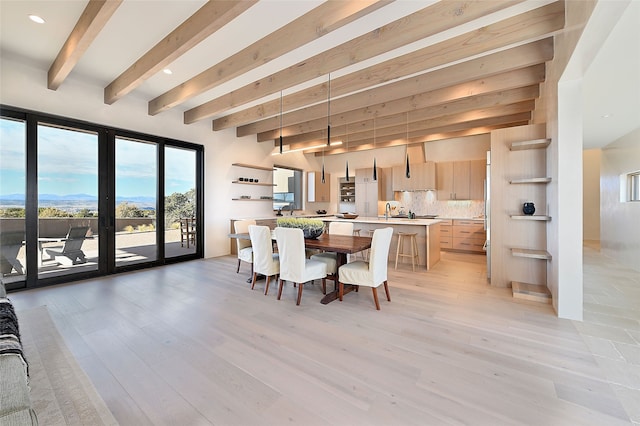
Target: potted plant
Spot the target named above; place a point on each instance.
(312, 228)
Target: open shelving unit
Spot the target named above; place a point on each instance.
(347, 190)
(519, 173)
(262, 184)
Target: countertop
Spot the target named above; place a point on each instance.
(382, 220)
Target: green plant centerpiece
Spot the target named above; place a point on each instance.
(312, 228)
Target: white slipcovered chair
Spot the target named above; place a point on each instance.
(372, 273)
(265, 261)
(245, 252)
(330, 258)
(293, 264)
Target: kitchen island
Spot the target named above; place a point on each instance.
(427, 234)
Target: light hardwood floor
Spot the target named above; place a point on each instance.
(191, 344)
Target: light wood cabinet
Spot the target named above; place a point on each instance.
(369, 191)
(446, 234)
(460, 180)
(423, 177)
(462, 234)
(318, 192)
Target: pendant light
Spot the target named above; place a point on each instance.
(375, 167)
(346, 169)
(281, 122)
(328, 123)
(407, 172)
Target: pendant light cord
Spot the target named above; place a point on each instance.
(281, 122)
(329, 111)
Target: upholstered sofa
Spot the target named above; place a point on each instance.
(15, 399)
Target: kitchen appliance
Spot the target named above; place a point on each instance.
(487, 214)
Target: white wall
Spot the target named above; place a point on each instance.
(591, 194)
(620, 221)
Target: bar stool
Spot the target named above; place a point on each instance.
(414, 248)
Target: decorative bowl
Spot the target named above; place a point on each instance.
(349, 215)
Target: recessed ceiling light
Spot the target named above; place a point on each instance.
(167, 71)
(606, 115)
(37, 19)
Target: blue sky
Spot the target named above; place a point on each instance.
(68, 163)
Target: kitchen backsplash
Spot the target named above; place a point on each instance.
(425, 202)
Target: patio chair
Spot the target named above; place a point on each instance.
(187, 231)
(10, 244)
(71, 252)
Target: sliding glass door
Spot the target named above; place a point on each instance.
(79, 200)
(13, 194)
(136, 202)
(68, 234)
(180, 205)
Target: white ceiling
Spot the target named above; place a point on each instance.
(611, 82)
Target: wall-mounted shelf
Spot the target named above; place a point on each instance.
(253, 183)
(250, 166)
(532, 144)
(531, 180)
(533, 292)
(531, 254)
(531, 217)
(262, 176)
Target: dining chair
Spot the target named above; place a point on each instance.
(293, 264)
(245, 252)
(265, 261)
(372, 273)
(331, 258)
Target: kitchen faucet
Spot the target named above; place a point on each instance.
(291, 207)
(387, 210)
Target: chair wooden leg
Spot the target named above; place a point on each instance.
(324, 286)
(340, 290)
(299, 293)
(386, 290)
(253, 280)
(280, 289)
(238, 268)
(266, 287)
(375, 297)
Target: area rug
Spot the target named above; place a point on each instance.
(61, 392)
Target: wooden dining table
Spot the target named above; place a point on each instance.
(340, 244)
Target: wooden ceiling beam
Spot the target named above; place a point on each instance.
(512, 101)
(479, 68)
(445, 132)
(424, 126)
(206, 21)
(416, 103)
(431, 20)
(93, 19)
(320, 21)
(527, 26)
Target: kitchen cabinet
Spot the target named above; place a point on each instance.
(369, 192)
(316, 190)
(462, 234)
(461, 180)
(423, 177)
